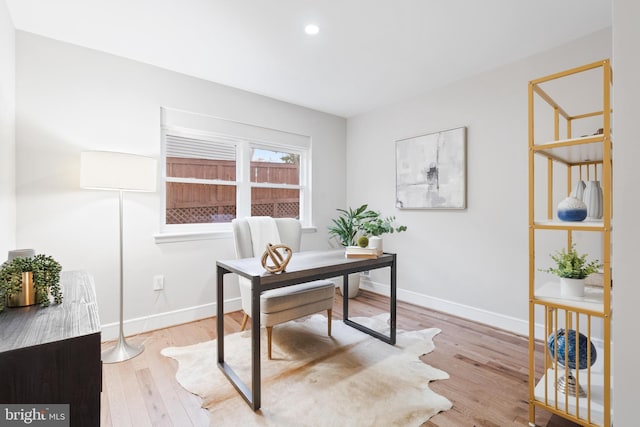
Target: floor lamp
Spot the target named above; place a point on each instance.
(104, 170)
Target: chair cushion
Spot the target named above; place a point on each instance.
(271, 319)
(291, 296)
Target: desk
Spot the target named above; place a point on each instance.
(303, 267)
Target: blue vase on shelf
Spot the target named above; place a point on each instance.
(572, 209)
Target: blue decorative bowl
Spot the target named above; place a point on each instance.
(572, 209)
(568, 338)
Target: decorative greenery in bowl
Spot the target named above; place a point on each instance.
(46, 278)
(571, 265)
(353, 223)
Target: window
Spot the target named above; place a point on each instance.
(275, 183)
(201, 183)
(212, 176)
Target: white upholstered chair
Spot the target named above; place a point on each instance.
(282, 304)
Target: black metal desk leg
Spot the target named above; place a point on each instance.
(392, 309)
(255, 343)
(345, 296)
(220, 313)
(391, 338)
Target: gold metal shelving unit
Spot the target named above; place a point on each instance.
(548, 310)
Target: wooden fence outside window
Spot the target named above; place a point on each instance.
(206, 203)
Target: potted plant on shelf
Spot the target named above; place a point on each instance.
(30, 280)
(572, 268)
(362, 227)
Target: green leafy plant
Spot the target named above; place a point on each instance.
(381, 225)
(571, 265)
(46, 278)
(361, 221)
(345, 228)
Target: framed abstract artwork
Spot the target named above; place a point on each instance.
(431, 170)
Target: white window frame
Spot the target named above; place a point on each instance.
(244, 137)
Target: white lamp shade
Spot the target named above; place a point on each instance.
(106, 170)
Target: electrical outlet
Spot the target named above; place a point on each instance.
(158, 282)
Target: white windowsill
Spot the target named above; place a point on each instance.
(188, 236)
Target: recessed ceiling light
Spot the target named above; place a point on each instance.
(311, 29)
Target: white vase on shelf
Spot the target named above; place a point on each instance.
(578, 189)
(592, 197)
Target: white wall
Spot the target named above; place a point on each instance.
(7, 133)
(472, 262)
(71, 99)
(626, 234)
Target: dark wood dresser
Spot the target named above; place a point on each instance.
(52, 355)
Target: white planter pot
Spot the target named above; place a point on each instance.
(354, 285)
(375, 242)
(571, 287)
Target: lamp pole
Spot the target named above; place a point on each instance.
(122, 350)
(106, 170)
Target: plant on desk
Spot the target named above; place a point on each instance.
(41, 272)
(355, 223)
(346, 226)
(379, 225)
(363, 227)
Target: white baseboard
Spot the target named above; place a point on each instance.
(164, 320)
(190, 314)
(497, 320)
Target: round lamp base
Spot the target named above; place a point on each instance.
(121, 351)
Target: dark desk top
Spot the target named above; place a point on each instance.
(317, 264)
(76, 316)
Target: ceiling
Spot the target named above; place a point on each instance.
(368, 53)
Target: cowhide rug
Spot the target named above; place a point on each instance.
(348, 379)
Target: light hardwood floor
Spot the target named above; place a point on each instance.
(487, 368)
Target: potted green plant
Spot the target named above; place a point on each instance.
(30, 280)
(375, 227)
(354, 223)
(572, 268)
(345, 230)
(361, 226)
(346, 226)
